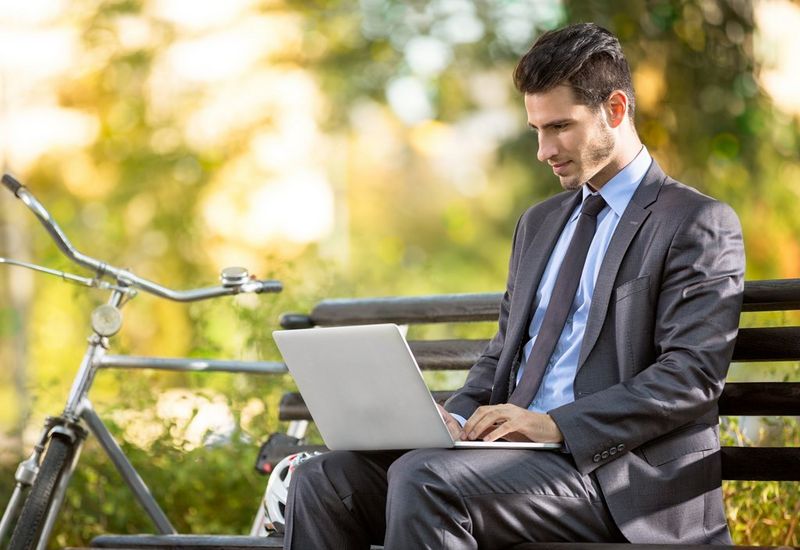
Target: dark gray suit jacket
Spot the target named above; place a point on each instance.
(658, 341)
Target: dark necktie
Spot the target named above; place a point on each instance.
(561, 299)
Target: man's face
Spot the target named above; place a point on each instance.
(574, 140)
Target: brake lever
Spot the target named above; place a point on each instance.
(92, 282)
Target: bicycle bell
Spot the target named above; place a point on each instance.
(106, 320)
(234, 276)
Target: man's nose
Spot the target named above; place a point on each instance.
(547, 149)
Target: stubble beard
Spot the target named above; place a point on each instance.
(571, 183)
(596, 159)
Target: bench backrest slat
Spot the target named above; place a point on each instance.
(761, 463)
(774, 295)
(767, 344)
(752, 345)
(760, 399)
(738, 399)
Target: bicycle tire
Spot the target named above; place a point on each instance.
(34, 512)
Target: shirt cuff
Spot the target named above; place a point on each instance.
(460, 419)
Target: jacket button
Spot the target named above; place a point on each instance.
(596, 458)
(620, 447)
(612, 451)
(604, 455)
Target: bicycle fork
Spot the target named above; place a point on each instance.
(28, 470)
(24, 477)
(106, 321)
(67, 425)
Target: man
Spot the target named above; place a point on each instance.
(615, 334)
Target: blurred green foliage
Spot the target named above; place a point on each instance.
(187, 484)
(763, 512)
(422, 205)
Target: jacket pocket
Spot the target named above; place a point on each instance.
(675, 445)
(631, 287)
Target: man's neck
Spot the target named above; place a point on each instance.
(628, 149)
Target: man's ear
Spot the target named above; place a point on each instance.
(616, 107)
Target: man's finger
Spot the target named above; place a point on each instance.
(451, 423)
(504, 430)
(483, 423)
(498, 433)
(453, 427)
(473, 420)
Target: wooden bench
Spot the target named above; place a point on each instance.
(753, 345)
(756, 345)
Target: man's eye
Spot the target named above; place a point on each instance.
(559, 127)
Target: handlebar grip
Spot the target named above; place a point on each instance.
(270, 286)
(12, 184)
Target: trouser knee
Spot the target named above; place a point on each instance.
(413, 474)
(320, 473)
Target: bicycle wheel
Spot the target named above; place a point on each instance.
(34, 512)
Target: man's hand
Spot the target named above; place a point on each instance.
(452, 424)
(511, 423)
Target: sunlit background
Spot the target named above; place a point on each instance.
(239, 84)
(348, 148)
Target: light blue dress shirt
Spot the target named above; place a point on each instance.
(556, 388)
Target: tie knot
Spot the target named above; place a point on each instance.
(593, 205)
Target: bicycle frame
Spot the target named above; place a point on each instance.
(85, 414)
(106, 321)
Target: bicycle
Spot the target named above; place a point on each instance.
(42, 478)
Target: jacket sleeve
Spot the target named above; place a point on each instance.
(477, 390)
(696, 322)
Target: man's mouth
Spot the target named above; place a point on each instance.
(559, 167)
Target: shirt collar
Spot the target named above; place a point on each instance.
(620, 189)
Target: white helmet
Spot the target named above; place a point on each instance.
(278, 488)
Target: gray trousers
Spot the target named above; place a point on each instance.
(443, 498)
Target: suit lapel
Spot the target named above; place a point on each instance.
(529, 273)
(629, 224)
(532, 265)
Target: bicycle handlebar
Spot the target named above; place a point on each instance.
(121, 275)
(12, 184)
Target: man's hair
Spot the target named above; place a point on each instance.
(585, 56)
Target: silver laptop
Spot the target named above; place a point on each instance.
(365, 391)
